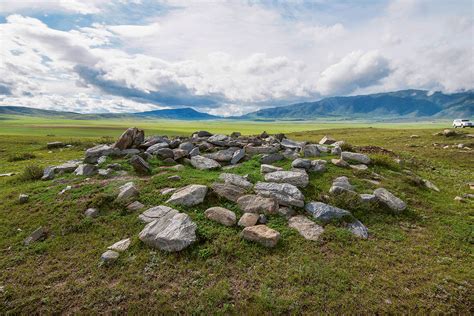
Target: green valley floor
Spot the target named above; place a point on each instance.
(419, 261)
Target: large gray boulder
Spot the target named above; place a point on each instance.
(261, 234)
(311, 151)
(155, 213)
(140, 165)
(171, 232)
(164, 153)
(301, 163)
(131, 138)
(236, 179)
(186, 146)
(349, 156)
(237, 156)
(228, 191)
(189, 196)
(155, 147)
(224, 155)
(388, 199)
(221, 215)
(306, 227)
(285, 193)
(127, 191)
(327, 213)
(85, 170)
(93, 154)
(251, 203)
(271, 158)
(203, 163)
(219, 140)
(297, 178)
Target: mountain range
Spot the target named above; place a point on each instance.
(391, 105)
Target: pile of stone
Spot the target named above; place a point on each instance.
(279, 194)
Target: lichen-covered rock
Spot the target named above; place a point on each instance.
(299, 179)
(237, 156)
(311, 151)
(261, 234)
(189, 196)
(285, 193)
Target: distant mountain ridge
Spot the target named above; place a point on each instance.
(399, 104)
(172, 114)
(404, 104)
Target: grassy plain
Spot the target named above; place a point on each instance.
(419, 261)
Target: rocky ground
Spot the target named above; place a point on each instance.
(262, 190)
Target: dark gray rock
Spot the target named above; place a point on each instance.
(311, 151)
(139, 165)
(164, 153)
(327, 213)
(390, 200)
(131, 138)
(271, 158)
(39, 234)
(301, 163)
(237, 156)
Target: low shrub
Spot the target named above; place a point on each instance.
(21, 157)
(31, 172)
(385, 161)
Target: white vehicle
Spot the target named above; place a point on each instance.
(462, 123)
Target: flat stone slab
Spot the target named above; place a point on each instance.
(257, 204)
(155, 213)
(261, 234)
(221, 215)
(296, 178)
(171, 232)
(389, 200)
(189, 196)
(306, 227)
(203, 163)
(285, 193)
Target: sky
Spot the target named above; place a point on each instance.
(227, 57)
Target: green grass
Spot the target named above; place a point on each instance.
(419, 261)
(24, 125)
